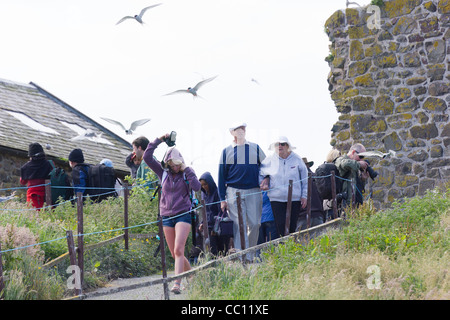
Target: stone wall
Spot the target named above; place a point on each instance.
(10, 173)
(391, 86)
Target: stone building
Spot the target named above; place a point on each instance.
(30, 114)
(390, 81)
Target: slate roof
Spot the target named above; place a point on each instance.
(29, 114)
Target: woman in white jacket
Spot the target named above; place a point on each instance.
(276, 170)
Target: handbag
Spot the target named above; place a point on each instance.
(223, 226)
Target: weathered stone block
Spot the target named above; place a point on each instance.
(439, 88)
(435, 104)
(359, 68)
(430, 6)
(384, 105)
(436, 151)
(446, 131)
(406, 181)
(365, 81)
(362, 103)
(399, 8)
(436, 51)
(336, 20)
(367, 124)
(425, 185)
(427, 131)
(444, 6)
(385, 178)
(356, 51)
(386, 60)
(408, 106)
(405, 25)
(392, 142)
(402, 93)
(429, 24)
(415, 80)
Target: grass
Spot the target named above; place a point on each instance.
(20, 225)
(400, 253)
(396, 254)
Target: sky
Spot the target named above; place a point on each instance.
(75, 50)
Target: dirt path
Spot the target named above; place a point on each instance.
(113, 290)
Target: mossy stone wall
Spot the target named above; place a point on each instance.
(391, 86)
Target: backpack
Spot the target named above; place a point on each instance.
(192, 196)
(101, 182)
(324, 184)
(60, 180)
(194, 204)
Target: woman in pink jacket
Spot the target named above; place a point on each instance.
(177, 181)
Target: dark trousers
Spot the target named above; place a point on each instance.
(267, 231)
(279, 214)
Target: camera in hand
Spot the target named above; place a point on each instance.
(372, 173)
(170, 141)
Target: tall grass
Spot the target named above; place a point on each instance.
(403, 250)
(25, 277)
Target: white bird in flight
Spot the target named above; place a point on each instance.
(138, 18)
(88, 134)
(193, 90)
(133, 125)
(378, 154)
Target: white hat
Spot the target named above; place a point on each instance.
(237, 125)
(281, 139)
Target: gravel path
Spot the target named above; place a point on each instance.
(148, 292)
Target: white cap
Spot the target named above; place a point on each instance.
(281, 139)
(107, 162)
(237, 125)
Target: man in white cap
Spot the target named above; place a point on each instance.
(239, 171)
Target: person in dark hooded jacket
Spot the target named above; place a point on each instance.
(210, 195)
(33, 174)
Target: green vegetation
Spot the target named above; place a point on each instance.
(20, 225)
(379, 3)
(400, 253)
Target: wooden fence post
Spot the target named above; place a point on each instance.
(2, 283)
(125, 213)
(72, 255)
(48, 193)
(333, 194)
(242, 230)
(162, 248)
(206, 240)
(309, 199)
(288, 210)
(80, 249)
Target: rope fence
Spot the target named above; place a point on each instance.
(72, 250)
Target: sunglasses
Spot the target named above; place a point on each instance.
(361, 157)
(283, 144)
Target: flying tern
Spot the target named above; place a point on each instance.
(133, 125)
(378, 154)
(87, 135)
(193, 90)
(138, 18)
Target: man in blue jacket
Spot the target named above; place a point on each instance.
(239, 172)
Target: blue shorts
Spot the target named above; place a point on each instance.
(173, 220)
